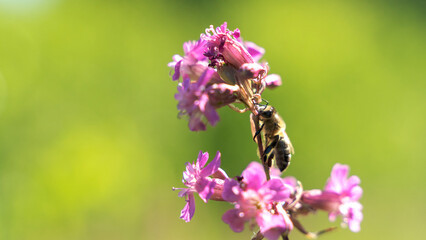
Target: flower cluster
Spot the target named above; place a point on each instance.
(221, 69)
(271, 205)
(218, 70)
(255, 198)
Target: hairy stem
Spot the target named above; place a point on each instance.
(258, 236)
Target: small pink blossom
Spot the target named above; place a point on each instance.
(340, 183)
(273, 81)
(193, 64)
(225, 48)
(340, 197)
(256, 199)
(207, 181)
(224, 44)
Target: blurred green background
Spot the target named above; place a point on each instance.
(91, 145)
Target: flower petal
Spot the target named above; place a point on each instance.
(176, 75)
(337, 181)
(231, 190)
(353, 181)
(290, 181)
(211, 114)
(212, 167)
(188, 211)
(232, 217)
(195, 124)
(356, 193)
(352, 215)
(254, 175)
(202, 159)
(277, 190)
(340, 172)
(205, 187)
(271, 226)
(255, 51)
(202, 102)
(183, 192)
(205, 78)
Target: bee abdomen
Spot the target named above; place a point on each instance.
(282, 155)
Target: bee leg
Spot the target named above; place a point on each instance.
(233, 107)
(297, 197)
(309, 235)
(272, 145)
(268, 149)
(269, 161)
(258, 131)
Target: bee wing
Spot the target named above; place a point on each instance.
(288, 142)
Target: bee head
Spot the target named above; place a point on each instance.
(266, 112)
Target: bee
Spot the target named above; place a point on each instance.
(278, 145)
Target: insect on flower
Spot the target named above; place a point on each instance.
(278, 145)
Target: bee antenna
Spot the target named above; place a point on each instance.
(260, 106)
(264, 105)
(267, 103)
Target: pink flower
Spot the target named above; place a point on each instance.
(225, 48)
(206, 181)
(340, 183)
(256, 199)
(273, 81)
(193, 63)
(340, 197)
(218, 70)
(200, 99)
(223, 44)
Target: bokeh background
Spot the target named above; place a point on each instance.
(90, 142)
